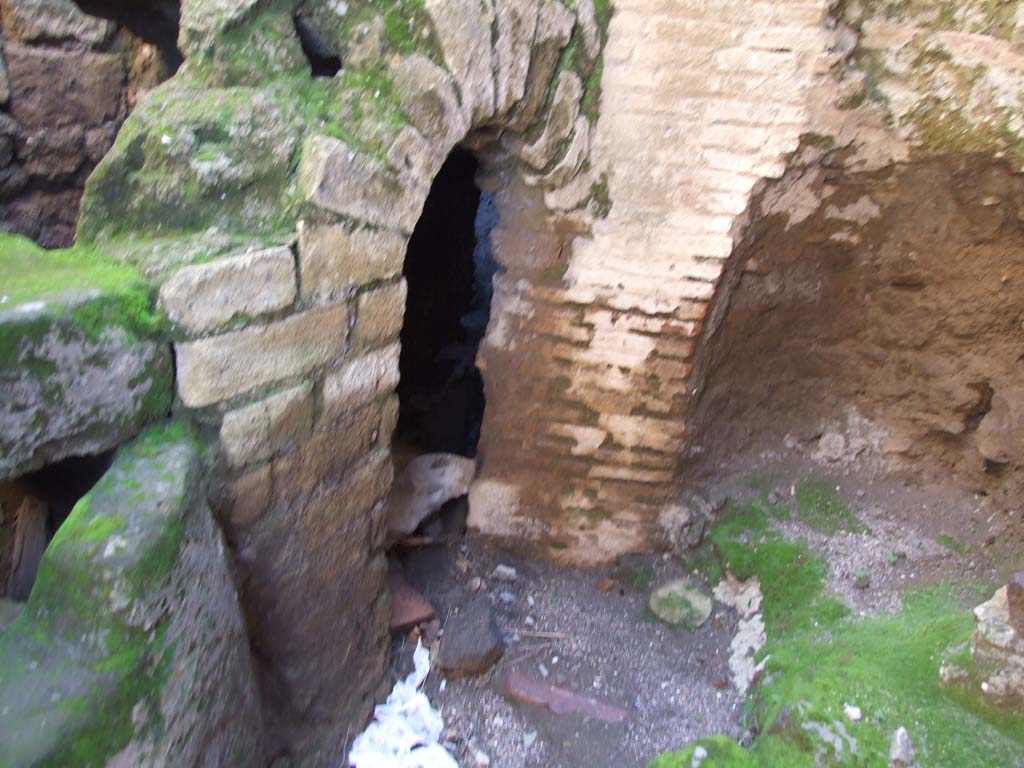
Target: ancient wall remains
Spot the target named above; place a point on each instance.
(67, 81)
(265, 196)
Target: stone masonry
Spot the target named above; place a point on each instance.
(272, 210)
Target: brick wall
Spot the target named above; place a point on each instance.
(591, 375)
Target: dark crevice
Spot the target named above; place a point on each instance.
(32, 509)
(152, 21)
(324, 59)
(448, 267)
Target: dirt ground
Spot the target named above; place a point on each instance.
(675, 684)
(603, 645)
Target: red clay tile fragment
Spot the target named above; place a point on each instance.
(408, 607)
(561, 701)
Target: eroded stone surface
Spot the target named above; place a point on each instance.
(1001, 432)
(680, 603)
(133, 619)
(82, 368)
(203, 297)
(996, 669)
(472, 643)
(258, 431)
(221, 367)
(464, 30)
(564, 111)
(333, 259)
(379, 315)
(53, 22)
(336, 178)
(359, 381)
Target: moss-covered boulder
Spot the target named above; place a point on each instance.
(131, 649)
(82, 366)
(192, 157)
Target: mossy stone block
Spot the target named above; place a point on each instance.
(82, 364)
(131, 649)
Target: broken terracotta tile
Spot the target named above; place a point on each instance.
(529, 690)
(408, 607)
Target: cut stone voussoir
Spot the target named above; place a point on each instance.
(341, 180)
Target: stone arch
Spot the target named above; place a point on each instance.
(287, 344)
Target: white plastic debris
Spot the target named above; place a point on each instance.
(852, 713)
(750, 637)
(405, 730)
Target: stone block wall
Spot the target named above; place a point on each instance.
(299, 384)
(67, 82)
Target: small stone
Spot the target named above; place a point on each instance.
(852, 713)
(832, 446)
(476, 584)
(699, 756)
(680, 603)
(471, 642)
(481, 759)
(506, 598)
(901, 751)
(529, 621)
(504, 573)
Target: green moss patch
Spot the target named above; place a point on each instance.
(31, 273)
(714, 752)
(819, 659)
(820, 509)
